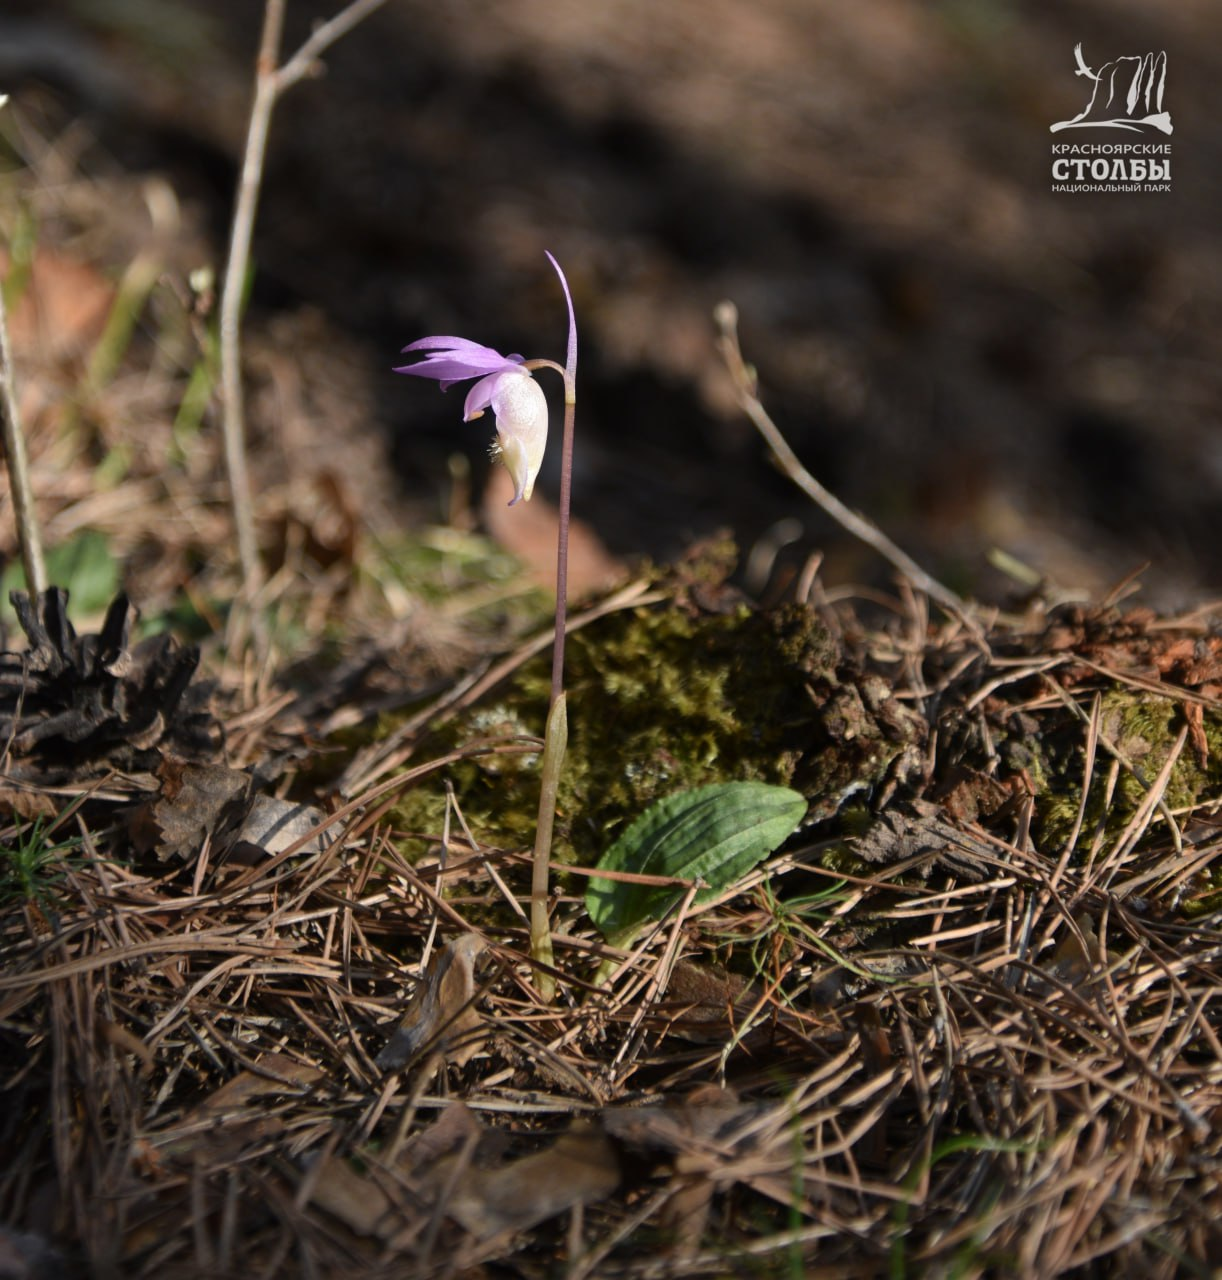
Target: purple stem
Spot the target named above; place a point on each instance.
(566, 490)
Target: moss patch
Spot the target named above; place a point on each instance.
(670, 697)
(1144, 728)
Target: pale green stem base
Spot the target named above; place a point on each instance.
(554, 745)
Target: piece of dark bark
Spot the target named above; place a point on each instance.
(920, 830)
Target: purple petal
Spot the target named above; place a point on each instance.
(446, 344)
(485, 390)
(451, 360)
(444, 369)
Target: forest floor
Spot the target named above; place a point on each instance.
(267, 1005)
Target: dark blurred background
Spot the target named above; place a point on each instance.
(970, 358)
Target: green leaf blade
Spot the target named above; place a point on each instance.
(714, 834)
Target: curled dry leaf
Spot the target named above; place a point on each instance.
(456, 1127)
(196, 802)
(227, 1120)
(459, 1159)
(278, 1073)
(441, 1014)
(1079, 956)
(125, 1041)
(712, 1140)
(688, 1133)
(707, 1004)
(398, 1202)
(358, 1200)
(274, 825)
(711, 1118)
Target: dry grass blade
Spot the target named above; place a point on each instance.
(18, 467)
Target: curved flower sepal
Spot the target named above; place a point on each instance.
(504, 385)
(451, 360)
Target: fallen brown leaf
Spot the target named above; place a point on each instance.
(354, 1198)
(580, 1167)
(225, 1121)
(1076, 964)
(702, 1135)
(278, 1074)
(707, 1119)
(707, 1004)
(440, 1014)
(196, 802)
(274, 825)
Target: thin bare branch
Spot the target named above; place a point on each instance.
(726, 318)
(270, 83)
(304, 62)
(233, 294)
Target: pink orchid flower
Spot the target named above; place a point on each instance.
(506, 386)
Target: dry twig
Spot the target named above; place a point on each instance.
(19, 467)
(726, 317)
(270, 82)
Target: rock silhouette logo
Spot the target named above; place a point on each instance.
(1126, 93)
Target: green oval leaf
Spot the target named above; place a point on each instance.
(715, 834)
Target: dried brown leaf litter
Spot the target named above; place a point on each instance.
(965, 1022)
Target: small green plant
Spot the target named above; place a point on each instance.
(710, 835)
(32, 862)
(83, 565)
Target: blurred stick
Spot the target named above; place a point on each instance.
(19, 469)
(725, 316)
(17, 462)
(270, 82)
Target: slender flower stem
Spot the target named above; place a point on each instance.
(566, 488)
(555, 743)
(556, 736)
(562, 546)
